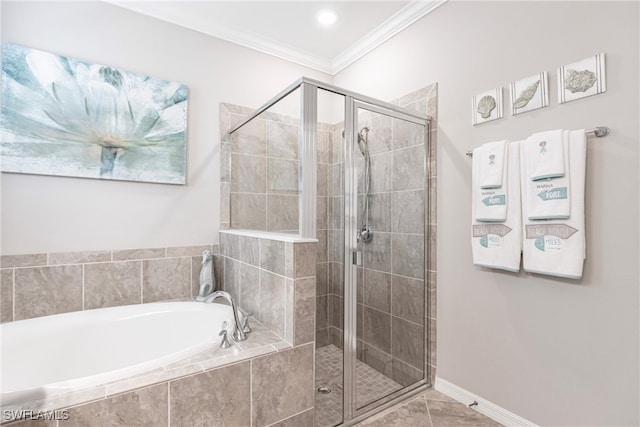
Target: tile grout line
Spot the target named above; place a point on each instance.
(141, 282)
(13, 294)
(191, 293)
(169, 403)
(426, 402)
(391, 346)
(251, 388)
(83, 293)
(293, 290)
(259, 283)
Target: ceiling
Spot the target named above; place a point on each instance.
(289, 29)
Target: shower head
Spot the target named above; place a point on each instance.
(363, 141)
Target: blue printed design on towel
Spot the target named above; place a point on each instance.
(553, 194)
(495, 200)
(490, 241)
(548, 243)
(543, 145)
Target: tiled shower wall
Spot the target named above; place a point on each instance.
(262, 185)
(272, 143)
(376, 309)
(391, 308)
(335, 238)
(324, 144)
(275, 280)
(392, 301)
(42, 284)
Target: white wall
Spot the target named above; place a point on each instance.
(556, 352)
(50, 214)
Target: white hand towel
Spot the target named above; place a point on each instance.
(559, 248)
(547, 154)
(491, 161)
(490, 204)
(549, 198)
(498, 245)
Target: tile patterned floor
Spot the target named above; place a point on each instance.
(428, 409)
(370, 385)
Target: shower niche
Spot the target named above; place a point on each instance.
(355, 177)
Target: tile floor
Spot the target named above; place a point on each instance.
(370, 385)
(428, 409)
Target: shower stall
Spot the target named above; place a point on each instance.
(322, 162)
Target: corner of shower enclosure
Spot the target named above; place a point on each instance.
(268, 178)
(322, 162)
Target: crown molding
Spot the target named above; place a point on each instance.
(243, 38)
(273, 48)
(389, 28)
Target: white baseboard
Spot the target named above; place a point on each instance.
(485, 407)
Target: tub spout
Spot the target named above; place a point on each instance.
(238, 333)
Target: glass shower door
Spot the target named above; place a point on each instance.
(388, 244)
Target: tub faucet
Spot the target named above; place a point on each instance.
(238, 333)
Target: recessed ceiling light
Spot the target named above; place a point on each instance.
(327, 17)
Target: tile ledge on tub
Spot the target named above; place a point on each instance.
(283, 237)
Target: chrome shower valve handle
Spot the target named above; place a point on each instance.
(365, 234)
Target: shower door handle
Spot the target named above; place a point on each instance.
(357, 257)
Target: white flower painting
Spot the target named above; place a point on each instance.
(63, 116)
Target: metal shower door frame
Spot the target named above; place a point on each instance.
(307, 219)
(351, 413)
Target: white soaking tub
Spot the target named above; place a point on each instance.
(65, 352)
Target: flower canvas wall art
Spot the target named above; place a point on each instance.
(67, 117)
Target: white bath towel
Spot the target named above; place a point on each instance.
(490, 158)
(547, 154)
(548, 198)
(490, 204)
(558, 248)
(498, 245)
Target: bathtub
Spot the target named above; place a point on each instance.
(65, 352)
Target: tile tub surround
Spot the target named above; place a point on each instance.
(273, 276)
(214, 387)
(73, 281)
(393, 272)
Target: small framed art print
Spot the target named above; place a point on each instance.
(486, 106)
(529, 93)
(582, 78)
